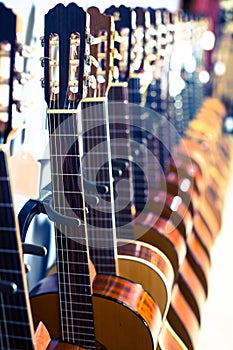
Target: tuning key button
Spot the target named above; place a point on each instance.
(42, 41)
(42, 61)
(91, 81)
(91, 40)
(42, 81)
(91, 60)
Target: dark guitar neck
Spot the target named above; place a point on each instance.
(72, 257)
(119, 125)
(97, 168)
(16, 330)
(16, 327)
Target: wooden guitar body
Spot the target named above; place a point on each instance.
(144, 264)
(147, 265)
(169, 340)
(193, 270)
(185, 190)
(125, 316)
(182, 320)
(162, 234)
(167, 206)
(210, 180)
(204, 198)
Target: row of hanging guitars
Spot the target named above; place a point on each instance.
(155, 233)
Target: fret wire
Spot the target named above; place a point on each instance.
(7, 229)
(16, 307)
(79, 328)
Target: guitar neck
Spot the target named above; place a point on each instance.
(119, 125)
(97, 168)
(71, 240)
(16, 326)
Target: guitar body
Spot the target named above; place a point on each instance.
(194, 277)
(162, 234)
(56, 345)
(182, 321)
(205, 201)
(169, 340)
(200, 226)
(135, 324)
(168, 207)
(191, 288)
(211, 194)
(147, 265)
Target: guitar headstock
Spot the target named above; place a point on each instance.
(7, 61)
(103, 52)
(138, 39)
(123, 25)
(67, 63)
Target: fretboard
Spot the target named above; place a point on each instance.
(71, 240)
(16, 327)
(120, 150)
(137, 141)
(97, 168)
(157, 101)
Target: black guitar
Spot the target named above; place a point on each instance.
(16, 326)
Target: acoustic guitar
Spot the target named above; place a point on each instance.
(16, 326)
(87, 311)
(119, 253)
(152, 218)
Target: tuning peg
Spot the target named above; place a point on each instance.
(91, 60)
(42, 61)
(73, 85)
(117, 37)
(91, 82)
(24, 50)
(42, 81)
(116, 54)
(115, 72)
(22, 77)
(42, 41)
(91, 40)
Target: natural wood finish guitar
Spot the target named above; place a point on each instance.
(108, 312)
(136, 261)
